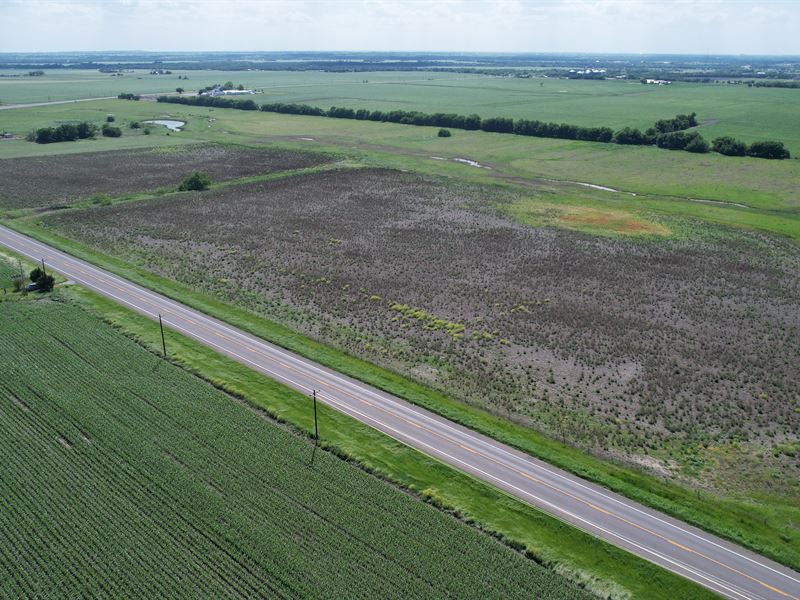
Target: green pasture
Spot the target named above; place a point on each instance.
(650, 181)
(748, 113)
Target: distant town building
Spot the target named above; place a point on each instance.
(222, 92)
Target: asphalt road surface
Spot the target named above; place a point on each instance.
(718, 565)
(35, 104)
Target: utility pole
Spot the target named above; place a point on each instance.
(316, 429)
(163, 341)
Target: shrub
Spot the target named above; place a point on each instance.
(768, 149)
(629, 136)
(197, 181)
(444, 133)
(498, 125)
(679, 123)
(697, 145)
(146, 131)
(36, 274)
(110, 119)
(134, 125)
(43, 281)
(729, 146)
(19, 282)
(46, 283)
(680, 140)
(111, 131)
(68, 132)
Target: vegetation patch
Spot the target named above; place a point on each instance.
(599, 221)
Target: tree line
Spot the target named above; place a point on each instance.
(670, 134)
(212, 101)
(67, 132)
(70, 132)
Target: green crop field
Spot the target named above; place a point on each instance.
(7, 272)
(748, 113)
(124, 476)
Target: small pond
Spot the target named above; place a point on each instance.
(171, 125)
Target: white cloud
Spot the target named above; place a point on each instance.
(688, 26)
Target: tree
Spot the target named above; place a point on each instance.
(179, 90)
(36, 274)
(43, 281)
(697, 145)
(228, 85)
(46, 283)
(111, 131)
(197, 181)
(110, 119)
(768, 149)
(629, 136)
(240, 87)
(444, 133)
(729, 146)
(134, 125)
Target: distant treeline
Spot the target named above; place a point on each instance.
(774, 84)
(68, 132)
(213, 101)
(126, 96)
(666, 133)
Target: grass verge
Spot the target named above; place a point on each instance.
(765, 525)
(600, 567)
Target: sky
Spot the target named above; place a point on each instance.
(626, 26)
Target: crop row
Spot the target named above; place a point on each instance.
(122, 475)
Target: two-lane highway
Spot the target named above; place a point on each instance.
(716, 564)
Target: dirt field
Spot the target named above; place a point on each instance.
(656, 351)
(57, 180)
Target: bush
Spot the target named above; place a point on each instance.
(134, 125)
(126, 96)
(679, 123)
(111, 131)
(19, 282)
(146, 131)
(197, 181)
(46, 283)
(729, 146)
(698, 145)
(110, 119)
(629, 136)
(36, 274)
(43, 281)
(680, 140)
(497, 125)
(444, 133)
(768, 149)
